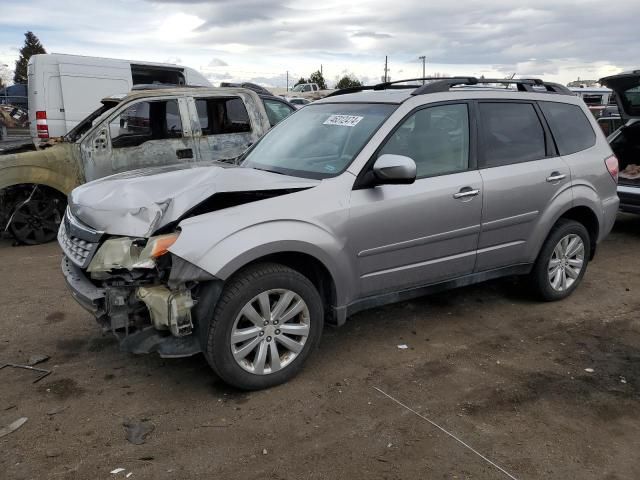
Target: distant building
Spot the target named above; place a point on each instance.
(583, 83)
(14, 95)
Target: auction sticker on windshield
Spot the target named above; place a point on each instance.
(343, 120)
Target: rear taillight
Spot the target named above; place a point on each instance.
(612, 165)
(41, 124)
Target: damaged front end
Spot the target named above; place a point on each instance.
(134, 287)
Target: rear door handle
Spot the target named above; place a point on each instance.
(555, 177)
(184, 153)
(466, 192)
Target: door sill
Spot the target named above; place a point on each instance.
(421, 290)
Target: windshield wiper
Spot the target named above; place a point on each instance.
(267, 170)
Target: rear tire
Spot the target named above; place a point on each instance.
(562, 261)
(267, 322)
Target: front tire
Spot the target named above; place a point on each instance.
(37, 214)
(562, 261)
(268, 320)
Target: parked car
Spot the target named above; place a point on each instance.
(161, 126)
(64, 89)
(598, 99)
(298, 102)
(625, 141)
(306, 88)
(310, 91)
(355, 201)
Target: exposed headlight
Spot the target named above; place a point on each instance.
(128, 253)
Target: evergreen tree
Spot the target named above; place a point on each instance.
(32, 46)
(347, 82)
(316, 77)
(301, 80)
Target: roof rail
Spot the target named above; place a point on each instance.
(522, 84)
(443, 84)
(396, 84)
(251, 86)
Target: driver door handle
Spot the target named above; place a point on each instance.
(555, 177)
(466, 192)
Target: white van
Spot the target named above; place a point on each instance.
(596, 98)
(64, 89)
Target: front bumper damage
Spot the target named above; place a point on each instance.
(145, 318)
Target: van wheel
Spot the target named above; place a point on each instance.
(268, 320)
(37, 214)
(562, 261)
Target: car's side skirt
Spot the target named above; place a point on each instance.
(421, 290)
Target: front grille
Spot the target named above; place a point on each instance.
(78, 242)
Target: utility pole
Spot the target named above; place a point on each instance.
(386, 70)
(321, 70)
(287, 80)
(424, 60)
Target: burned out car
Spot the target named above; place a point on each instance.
(146, 128)
(357, 200)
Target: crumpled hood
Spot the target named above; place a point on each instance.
(139, 202)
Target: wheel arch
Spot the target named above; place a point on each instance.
(307, 246)
(312, 268)
(9, 193)
(588, 218)
(581, 213)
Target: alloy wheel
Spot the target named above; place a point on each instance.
(270, 331)
(566, 263)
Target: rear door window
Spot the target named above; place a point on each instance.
(570, 127)
(220, 116)
(509, 133)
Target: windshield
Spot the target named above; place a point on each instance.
(298, 88)
(81, 128)
(632, 100)
(319, 141)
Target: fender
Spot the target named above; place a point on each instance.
(559, 206)
(242, 247)
(57, 167)
(584, 195)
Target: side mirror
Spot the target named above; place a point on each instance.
(394, 169)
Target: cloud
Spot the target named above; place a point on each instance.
(219, 77)
(216, 62)
(259, 38)
(371, 35)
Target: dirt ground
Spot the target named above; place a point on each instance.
(487, 363)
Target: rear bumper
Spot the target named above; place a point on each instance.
(629, 198)
(610, 207)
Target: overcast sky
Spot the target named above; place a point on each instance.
(260, 40)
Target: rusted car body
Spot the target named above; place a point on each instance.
(146, 128)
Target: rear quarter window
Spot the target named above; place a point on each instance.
(570, 127)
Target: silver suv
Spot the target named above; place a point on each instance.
(372, 196)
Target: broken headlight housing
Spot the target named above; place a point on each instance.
(130, 253)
